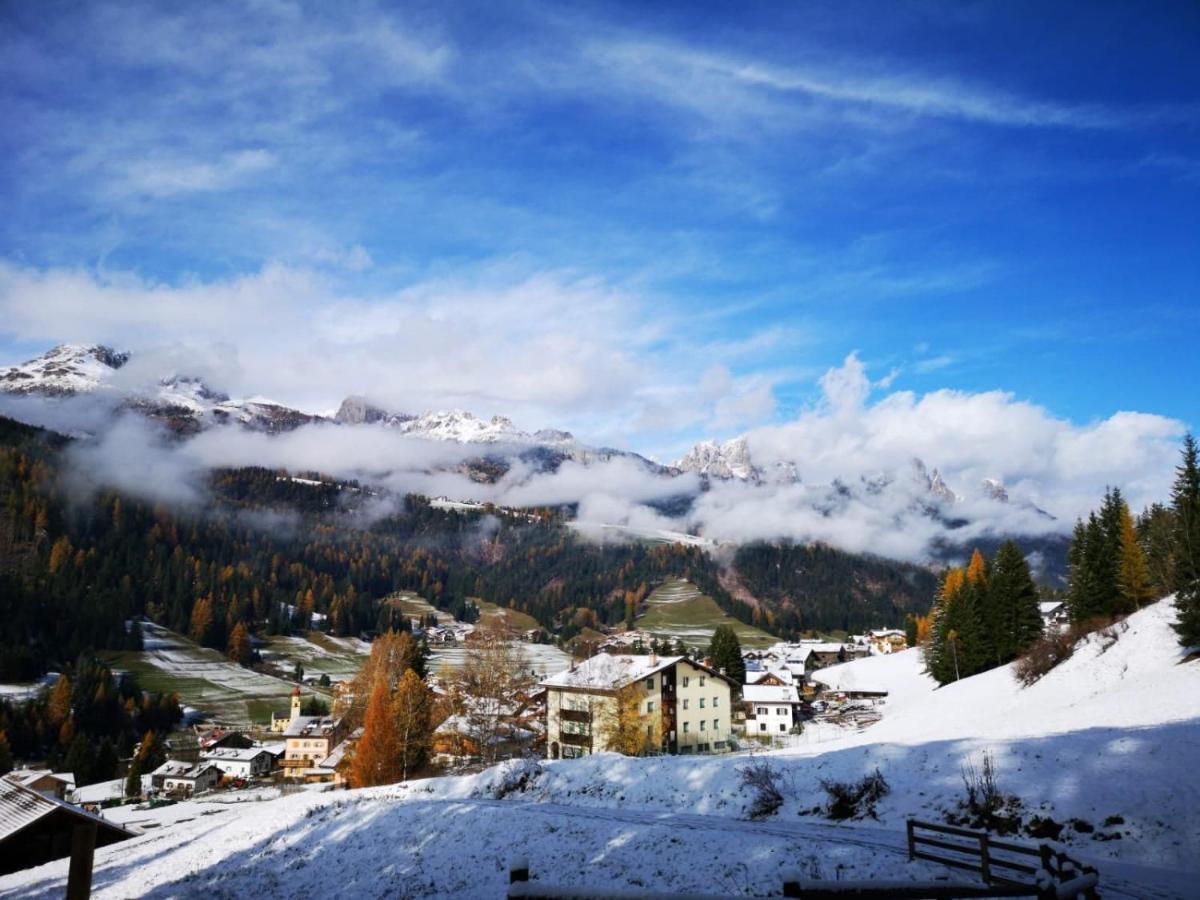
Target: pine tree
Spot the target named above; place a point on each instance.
(1133, 576)
(1015, 598)
(58, 708)
(725, 653)
(412, 708)
(1185, 503)
(240, 650)
(1156, 531)
(377, 758)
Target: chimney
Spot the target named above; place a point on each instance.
(653, 659)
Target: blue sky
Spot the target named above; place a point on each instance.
(648, 223)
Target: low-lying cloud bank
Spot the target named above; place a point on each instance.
(842, 472)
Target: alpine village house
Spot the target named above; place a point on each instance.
(677, 705)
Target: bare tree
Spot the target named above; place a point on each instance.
(492, 685)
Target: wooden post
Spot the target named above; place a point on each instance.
(518, 871)
(912, 844)
(83, 846)
(985, 863)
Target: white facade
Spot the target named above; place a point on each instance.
(251, 763)
(770, 708)
(683, 706)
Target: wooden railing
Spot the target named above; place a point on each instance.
(1054, 876)
(991, 857)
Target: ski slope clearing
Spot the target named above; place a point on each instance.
(204, 679)
(678, 611)
(1105, 746)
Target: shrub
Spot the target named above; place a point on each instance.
(763, 780)
(985, 805)
(1043, 655)
(855, 799)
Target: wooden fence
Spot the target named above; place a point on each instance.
(1000, 862)
(1007, 869)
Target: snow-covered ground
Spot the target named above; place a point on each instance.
(1112, 733)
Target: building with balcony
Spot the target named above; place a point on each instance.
(665, 704)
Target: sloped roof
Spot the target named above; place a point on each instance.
(769, 693)
(21, 806)
(611, 671)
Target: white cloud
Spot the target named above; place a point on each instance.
(545, 348)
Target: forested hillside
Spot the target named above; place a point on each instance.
(270, 550)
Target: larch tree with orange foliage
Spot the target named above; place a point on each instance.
(377, 758)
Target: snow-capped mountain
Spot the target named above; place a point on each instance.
(63, 371)
(728, 460)
(185, 403)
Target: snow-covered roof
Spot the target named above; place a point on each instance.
(754, 677)
(175, 768)
(21, 806)
(610, 671)
(769, 693)
(234, 753)
(1049, 607)
(28, 776)
(311, 726)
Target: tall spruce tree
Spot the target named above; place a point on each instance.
(1014, 596)
(1185, 503)
(725, 653)
(1156, 531)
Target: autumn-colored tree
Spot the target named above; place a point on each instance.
(377, 757)
(201, 621)
(412, 708)
(977, 568)
(240, 649)
(392, 654)
(58, 706)
(1133, 576)
(623, 726)
(492, 681)
(59, 554)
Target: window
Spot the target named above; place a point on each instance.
(687, 727)
(650, 683)
(649, 706)
(782, 710)
(762, 710)
(703, 722)
(575, 728)
(575, 702)
(685, 681)
(762, 726)
(782, 727)
(715, 699)
(685, 703)
(701, 681)
(649, 732)
(716, 724)
(702, 703)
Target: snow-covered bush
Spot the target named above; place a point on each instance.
(764, 783)
(855, 799)
(513, 777)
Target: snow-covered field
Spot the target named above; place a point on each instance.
(1112, 733)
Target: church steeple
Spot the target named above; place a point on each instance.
(295, 702)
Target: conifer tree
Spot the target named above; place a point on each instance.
(1014, 595)
(1133, 576)
(1185, 502)
(412, 709)
(1156, 531)
(377, 758)
(725, 653)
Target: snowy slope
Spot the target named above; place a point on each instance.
(64, 370)
(1112, 733)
